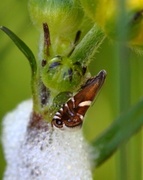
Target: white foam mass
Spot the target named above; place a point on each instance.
(40, 154)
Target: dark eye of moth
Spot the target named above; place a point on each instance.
(59, 122)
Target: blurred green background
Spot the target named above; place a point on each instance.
(15, 87)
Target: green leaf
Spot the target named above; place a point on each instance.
(32, 61)
(88, 46)
(120, 131)
(23, 48)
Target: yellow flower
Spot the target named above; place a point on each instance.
(106, 14)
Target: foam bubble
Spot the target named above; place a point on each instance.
(38, 154)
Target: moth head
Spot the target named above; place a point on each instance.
(65, 118)
(71, 114)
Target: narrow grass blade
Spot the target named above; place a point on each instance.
(23, 48)
(120, 131)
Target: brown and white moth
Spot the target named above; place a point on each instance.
(71, 113)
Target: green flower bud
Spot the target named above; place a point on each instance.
(62, 16)
(60, 74)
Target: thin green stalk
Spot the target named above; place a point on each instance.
(135, 144)
(124, 84)
(88, 46)
(135, 157)
(124, 103)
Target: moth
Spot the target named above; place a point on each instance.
(71, 113)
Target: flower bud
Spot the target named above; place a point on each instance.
(61, 74)
(62, 16)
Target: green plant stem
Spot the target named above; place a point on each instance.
(85, 50)
(124, 98)
(134, 146)
(124, 84)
